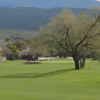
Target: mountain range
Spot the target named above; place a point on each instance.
(29, 18)
(50, 3)
(20, 19)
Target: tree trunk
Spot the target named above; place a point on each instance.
(13, 56)
(36, 57)
(82, 63)
(51, 53)
(76, 61)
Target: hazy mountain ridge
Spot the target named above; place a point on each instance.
(28, 18)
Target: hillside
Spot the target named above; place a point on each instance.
(15, 35)
(23, 23)
(28, 18)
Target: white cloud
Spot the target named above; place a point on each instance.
(97, 0)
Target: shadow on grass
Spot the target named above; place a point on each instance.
(37, 75)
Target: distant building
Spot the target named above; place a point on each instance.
(25, 55)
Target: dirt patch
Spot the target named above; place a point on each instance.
(31, 63)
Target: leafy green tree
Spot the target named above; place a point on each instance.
(36, 47)
(1, 57)
(96, 56)
(14, 50)
(20, 44)
(7, 40)
(62, 53)
(73, 33)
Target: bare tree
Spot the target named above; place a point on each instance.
(73, 33)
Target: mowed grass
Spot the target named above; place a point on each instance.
(51, 80)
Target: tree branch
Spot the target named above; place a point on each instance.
(85, 36)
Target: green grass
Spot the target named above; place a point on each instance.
(51, 80)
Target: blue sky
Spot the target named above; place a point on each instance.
(50, 3)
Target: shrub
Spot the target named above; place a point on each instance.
(1, 55)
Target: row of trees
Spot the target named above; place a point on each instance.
(12, 49)
(35, 46)
(16, 35)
